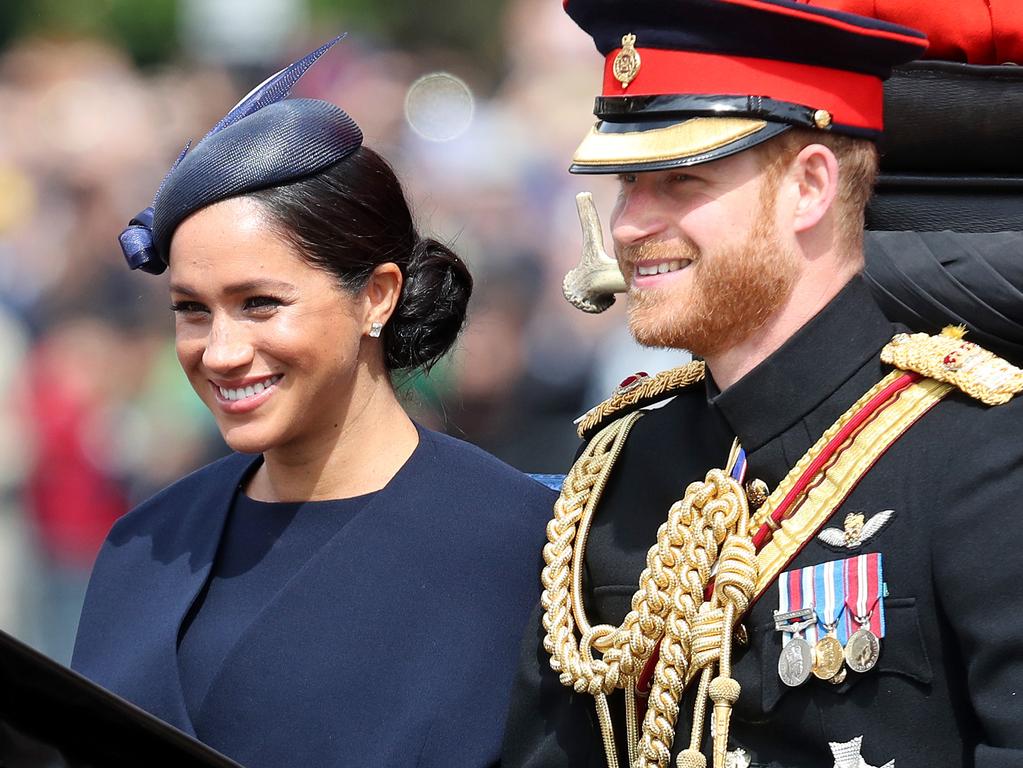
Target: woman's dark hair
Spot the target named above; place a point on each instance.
(352, 217)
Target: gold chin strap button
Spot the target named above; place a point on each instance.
(822, 119)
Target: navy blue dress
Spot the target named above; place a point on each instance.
(393, 643)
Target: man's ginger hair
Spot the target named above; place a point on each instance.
(857, 174)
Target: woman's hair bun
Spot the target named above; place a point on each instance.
(431, 309)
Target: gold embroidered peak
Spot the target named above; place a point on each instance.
(640, 389)
(951, 359)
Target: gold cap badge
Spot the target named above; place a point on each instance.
(626, 64)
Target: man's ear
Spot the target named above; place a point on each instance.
(815, 176)
(380, 295)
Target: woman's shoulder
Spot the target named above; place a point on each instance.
(195, 491)
(467, 469)
(461, 453)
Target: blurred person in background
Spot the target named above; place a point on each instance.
(82, 446)
(349, 586)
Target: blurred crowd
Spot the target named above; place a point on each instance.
(94, 412)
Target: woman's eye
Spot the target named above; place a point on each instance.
(187, 308)
(626, 178)
(262, 303)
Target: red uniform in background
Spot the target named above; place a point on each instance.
(971, 31)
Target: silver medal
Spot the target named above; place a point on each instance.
(796, 662)
(862, 650)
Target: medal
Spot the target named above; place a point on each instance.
(829, 584)
(863, 590)
(863, 650)
(795, 663)
(828, 656)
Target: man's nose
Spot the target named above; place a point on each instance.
(637, 217)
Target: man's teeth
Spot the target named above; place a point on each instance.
(662, 267)
(254, 389)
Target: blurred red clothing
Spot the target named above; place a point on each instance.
(72, 497)
(972, 31)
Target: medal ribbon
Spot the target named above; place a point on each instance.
(863, 580)
(829, 592)
(737, 463)
(791, 591)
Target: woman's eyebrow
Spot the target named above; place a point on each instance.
(246, 286)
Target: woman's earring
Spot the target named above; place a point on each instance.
(375, 330)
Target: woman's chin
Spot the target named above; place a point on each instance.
(247, 440)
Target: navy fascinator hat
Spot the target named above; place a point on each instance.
(265, 141)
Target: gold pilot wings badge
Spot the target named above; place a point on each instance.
(858, 529)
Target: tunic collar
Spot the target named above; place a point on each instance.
(825, 353)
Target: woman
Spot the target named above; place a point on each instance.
(348, 588)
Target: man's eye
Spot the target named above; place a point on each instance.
(627, 178)
(187, 308)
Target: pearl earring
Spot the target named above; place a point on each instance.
(375, 330)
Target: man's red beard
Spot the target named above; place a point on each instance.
(729, 294)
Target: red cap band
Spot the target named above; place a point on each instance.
(853, 99)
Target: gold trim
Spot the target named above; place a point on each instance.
(685, 139)
(832, 485)
(947, 357)
(661, 384)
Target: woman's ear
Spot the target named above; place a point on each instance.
(380, 297)
(815, 173)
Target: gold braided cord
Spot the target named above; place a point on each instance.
(607, 732)
(661, 384)
(574, 660)
(948, 358)
(711, 520)
(714, 519)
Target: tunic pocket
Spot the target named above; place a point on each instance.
(902, 653)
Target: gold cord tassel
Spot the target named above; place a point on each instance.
(724, 691)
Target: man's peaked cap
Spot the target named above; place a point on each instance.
(689, 81)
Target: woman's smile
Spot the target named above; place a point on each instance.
(244, 396)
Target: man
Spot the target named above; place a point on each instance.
(844, 592)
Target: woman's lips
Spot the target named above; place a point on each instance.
(244, 398)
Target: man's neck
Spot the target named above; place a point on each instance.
(807, 299)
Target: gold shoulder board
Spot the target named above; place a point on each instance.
(638, 391)
(951, 359)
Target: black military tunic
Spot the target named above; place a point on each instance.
(948, 688)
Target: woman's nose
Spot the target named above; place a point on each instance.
(227, 347)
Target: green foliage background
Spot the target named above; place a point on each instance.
(149, 30)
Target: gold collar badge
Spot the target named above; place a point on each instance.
(627, 62)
